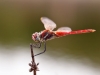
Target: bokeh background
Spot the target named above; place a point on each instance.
(70, 55)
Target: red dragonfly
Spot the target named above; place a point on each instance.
(49, 34)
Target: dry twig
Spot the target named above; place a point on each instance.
(33, 65)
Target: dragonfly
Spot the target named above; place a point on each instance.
(49, 34)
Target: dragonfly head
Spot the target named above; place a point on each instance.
(35, 37)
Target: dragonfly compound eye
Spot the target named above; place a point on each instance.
(35, 37)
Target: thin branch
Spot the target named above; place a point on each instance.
(33, 65)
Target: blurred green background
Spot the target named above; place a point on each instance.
(20, 19)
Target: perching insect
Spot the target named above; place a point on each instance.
(49, 34)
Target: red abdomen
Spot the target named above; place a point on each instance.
(59, 34)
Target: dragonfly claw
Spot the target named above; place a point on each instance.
(36, 45)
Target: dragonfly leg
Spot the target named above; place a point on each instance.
(43, 51)
(40, 46)
(37, 45)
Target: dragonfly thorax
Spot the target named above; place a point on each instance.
(43, 36)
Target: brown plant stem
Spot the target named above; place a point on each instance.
(33, 65)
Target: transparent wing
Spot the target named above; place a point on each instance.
(48, 24)
(64, 29)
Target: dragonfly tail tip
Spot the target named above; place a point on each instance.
(93, 30)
